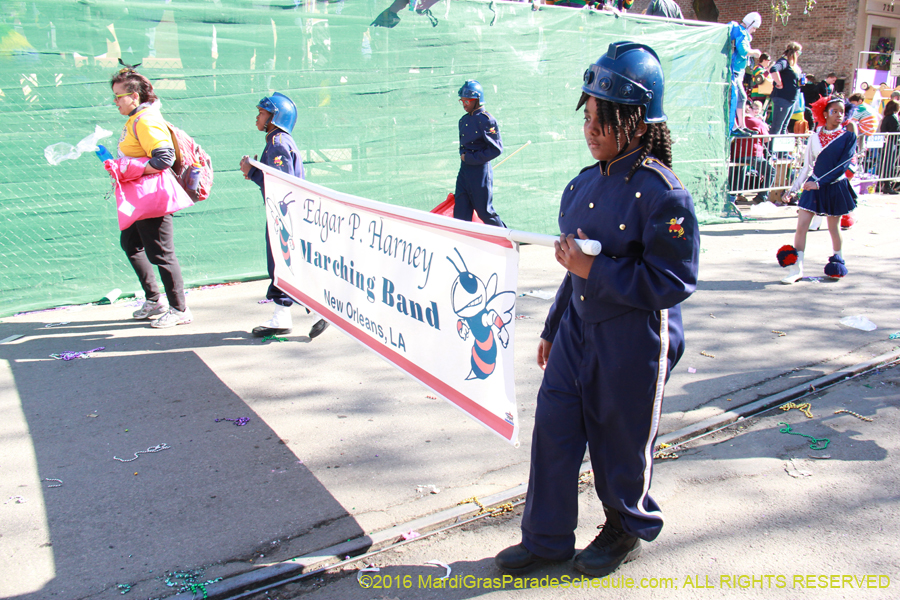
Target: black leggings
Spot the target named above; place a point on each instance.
(151, 242)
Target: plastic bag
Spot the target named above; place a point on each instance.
(859, 322)
(56, 153)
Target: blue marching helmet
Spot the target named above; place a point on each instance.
(629, 73)
(472, 89)
(284, 112)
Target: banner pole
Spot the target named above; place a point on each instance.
(589, 247)
(511, 155)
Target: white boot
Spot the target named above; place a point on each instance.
(816, 223)
(795, 272)
(279, 324)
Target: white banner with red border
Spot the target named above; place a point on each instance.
(433, 296)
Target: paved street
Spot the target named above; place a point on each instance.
(339, 445)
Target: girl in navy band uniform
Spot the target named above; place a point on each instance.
(826, 190)
(614, 331)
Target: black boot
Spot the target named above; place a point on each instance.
(518, 560)
(613, 547)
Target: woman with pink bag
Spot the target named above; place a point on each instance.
(146, 196)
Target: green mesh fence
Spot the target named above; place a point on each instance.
(378, 112)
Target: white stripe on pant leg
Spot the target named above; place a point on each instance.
(662, 369)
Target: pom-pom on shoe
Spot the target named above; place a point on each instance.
(847, 221)
(836, 267)
(787, 255)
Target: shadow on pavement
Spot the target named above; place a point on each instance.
(218, 490)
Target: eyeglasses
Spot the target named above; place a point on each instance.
(117, 96)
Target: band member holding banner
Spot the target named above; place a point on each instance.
(614, 331)
(479, 144)
(277, 117)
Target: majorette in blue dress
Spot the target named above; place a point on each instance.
(828, 163)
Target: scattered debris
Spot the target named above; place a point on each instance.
(365, 581)
(438, 563)
(692, 370)
(123, 588)
(51, 479)
(189, 581)
(497, 510)
(660, 455)
(797, 473)
(861, 322)
(76, 354)
(707, 354)
(150, 450)
(52, 325)
(274, 338)
(420, 489)
(542, 294)
(240, 421)
(520, 317)
(409, 535)
(18, 499)
(814, 443)
(805, 408)
(780, 333)
(850, 412)
(893, 336)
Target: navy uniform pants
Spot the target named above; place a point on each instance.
(602, 387)
(273, 293)
(474, 192)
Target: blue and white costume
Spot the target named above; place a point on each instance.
(827, 166)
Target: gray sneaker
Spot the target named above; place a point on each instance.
(172, 318)
(150, 309)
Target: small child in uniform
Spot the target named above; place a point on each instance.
(614, 331)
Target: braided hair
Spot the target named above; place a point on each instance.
(623, 120)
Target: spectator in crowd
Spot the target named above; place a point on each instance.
(741, 35)
(895, 96)
(390, 16)
(757, 171)
(890, 124)
(665, 8)
(862, 114)
(760, 79)
(826, 87)
(787, 75)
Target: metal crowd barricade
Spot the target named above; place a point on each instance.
(751, 177)
(878, 168)
(769, 175)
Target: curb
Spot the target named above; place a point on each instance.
(253, 581)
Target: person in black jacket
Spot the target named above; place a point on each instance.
(890, 123)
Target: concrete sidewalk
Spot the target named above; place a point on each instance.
(751, 512)
(339, 444)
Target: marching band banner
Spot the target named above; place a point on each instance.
(433, 296)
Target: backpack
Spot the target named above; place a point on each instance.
(187, 152)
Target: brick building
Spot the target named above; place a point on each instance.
(832, 34)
